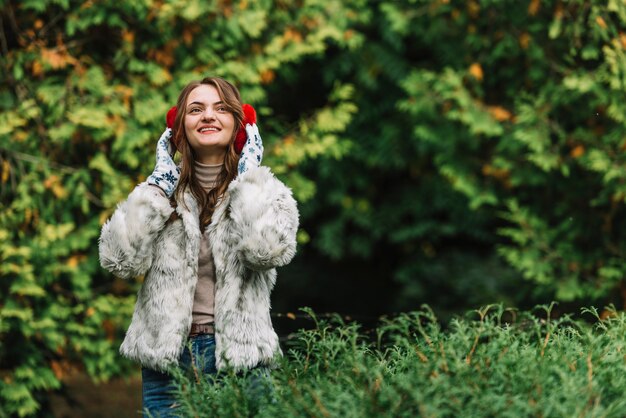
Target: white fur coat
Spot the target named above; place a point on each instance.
(253, 230)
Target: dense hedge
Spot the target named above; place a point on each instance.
(484, 127)
(492, 363)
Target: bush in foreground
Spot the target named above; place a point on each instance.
(497, 363)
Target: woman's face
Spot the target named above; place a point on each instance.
(208, 125)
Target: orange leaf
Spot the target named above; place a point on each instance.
(292, 35)
(499, 113)
(109, 329)
(578, 151)
(128, 36)
(187, 37)
(533, 7)
(57, 58)
(267, 76)
(600, 21)
(57, 369)
(476, 71)
(37, 68)
(498, 173)
(290, 315)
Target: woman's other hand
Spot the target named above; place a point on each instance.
(252, 152)
(166, 173)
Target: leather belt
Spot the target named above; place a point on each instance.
(198, 329)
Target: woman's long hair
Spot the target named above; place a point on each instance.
(188, 179)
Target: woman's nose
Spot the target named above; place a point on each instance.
(208, 113)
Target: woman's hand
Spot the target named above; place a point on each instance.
(166, 173)
(252, 152)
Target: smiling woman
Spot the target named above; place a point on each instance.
(207, 235)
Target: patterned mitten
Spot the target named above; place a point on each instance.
(252, 152)
(166, 173)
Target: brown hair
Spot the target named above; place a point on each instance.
(206, 201)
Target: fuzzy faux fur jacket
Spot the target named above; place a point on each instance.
(253, 230)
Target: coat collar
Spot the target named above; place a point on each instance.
(190, 214)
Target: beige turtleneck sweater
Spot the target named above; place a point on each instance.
(204, 298)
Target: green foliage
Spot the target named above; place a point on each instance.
(493, 362)
(423, 138)
(483, 127)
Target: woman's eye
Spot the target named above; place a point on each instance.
(221, 109)
(194, 110)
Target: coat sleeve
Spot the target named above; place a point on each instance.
(127, 239)
(264, 215)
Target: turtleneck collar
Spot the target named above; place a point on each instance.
(207, 174)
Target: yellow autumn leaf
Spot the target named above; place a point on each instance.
(524, 40)
(50, 181)
(533, 7)
(73, 261)
(6, 171)
(53, 183)
(600, 21)
(473, 9)
(289, 140)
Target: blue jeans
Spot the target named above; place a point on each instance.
(159, 400)
(158, 388)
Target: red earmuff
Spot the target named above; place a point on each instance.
(249, 117)
(169, 121)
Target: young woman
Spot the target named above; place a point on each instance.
(207, 236)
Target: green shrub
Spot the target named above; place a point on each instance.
(492, 363)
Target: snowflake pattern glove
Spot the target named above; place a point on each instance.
(166, 173)
(252, 152)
